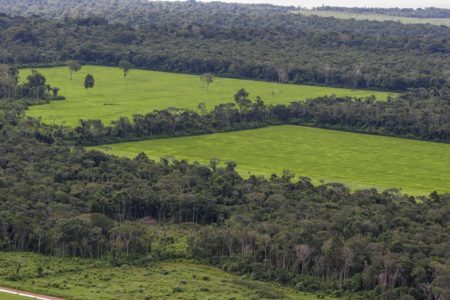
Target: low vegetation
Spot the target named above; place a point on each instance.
(358, 160)
(419, 13)
(6, 296)
(86, 279)
(375, 17)
(145, 91)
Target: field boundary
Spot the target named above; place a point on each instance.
(27, 294)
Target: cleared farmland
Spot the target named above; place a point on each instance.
(86, 279)
(358, 160)
(7, 296)
(144, 91)
(377, 17)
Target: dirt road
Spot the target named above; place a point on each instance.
(26, 294)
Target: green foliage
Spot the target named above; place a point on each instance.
(242, 41)
(87, 278)
(35, 86)
(126, 67)
(419, 13)
(59, 199)
(207, 79)
(361, 161)
(73, 67)
(145, 91)
(376, 17)
(89, 81)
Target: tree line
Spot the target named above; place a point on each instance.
(58, 199)
(420, 114)
(35, 85)
(428, 12)
(241, 41)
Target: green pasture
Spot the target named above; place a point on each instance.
(377, 17)
(7, 296)
(358, 160)
(144, 91)
(86, 279)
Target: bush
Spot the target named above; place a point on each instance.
(178, 289)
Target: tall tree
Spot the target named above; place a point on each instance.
(207, 78)
(8, 81)
(283, 75)
(73, 67)
(126, 67)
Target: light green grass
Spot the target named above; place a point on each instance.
(144, 91)
(97, 279)
(377, 17)
(358, 160)
(6, 296)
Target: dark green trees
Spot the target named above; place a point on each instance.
(89, 81)
(8, 81)
(126, 67)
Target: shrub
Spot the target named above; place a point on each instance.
(178, 289)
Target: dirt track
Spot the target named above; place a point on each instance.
(27, 294)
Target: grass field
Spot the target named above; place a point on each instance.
(358, 160)
(6, 296)
(377, 17)
(97, 279)
(145, 91)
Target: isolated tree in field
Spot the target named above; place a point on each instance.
(126, 67)
(283, 75)
(89, 81)
(73, 67)
(207, 78)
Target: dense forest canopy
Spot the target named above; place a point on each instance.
(57, 198)
(62, 200)
(246, 41)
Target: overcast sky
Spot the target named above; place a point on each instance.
(352, 3)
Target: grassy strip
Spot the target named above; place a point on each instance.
(359, 160)
(98, 279)
(144, 91)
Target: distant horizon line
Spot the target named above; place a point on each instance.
(303, 6)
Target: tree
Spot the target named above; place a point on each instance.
(89, 81)
(73, 67)
(283, 75)
(126, 67)
(241, 98)
(202, 108)
(36, 84)
(8, 81)
(207, 78)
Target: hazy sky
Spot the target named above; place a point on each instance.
(359, 3)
